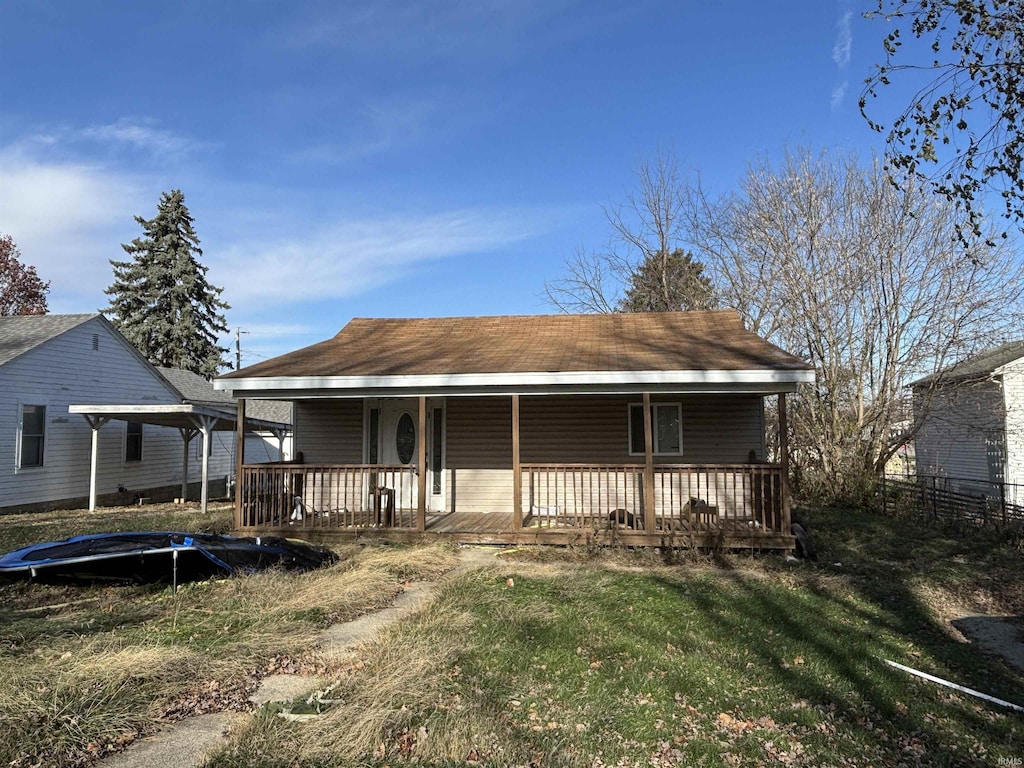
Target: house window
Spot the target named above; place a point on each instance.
(667, 421)
(33, 433)
(133, 442)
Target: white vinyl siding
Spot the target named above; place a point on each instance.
(1013, 400)
(73, 368)
(963, 434)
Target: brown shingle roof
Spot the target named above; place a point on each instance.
(664, 341)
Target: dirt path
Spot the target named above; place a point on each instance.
(188, 743)
(998, 635)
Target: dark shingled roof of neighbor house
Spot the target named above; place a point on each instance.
(977, 366)
(199, 391)
(21, 333)
(663, 341)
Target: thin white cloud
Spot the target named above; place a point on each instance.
(140, 135)
(843, 46)
(379, 127)
(399, 28)
(65, 216)
(143, 135)
(838, 94)
(353, 257)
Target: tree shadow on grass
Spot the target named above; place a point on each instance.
(844, 626)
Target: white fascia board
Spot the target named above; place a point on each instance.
(129, 409)
(305, 385)
(185, 410)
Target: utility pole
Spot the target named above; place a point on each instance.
(238, 349)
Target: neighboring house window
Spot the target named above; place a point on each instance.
(33, 434)
(667, 421)
(133, 442)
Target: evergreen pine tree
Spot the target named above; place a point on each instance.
(160, 299)
(668, 282)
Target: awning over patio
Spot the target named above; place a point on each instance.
(190, 419)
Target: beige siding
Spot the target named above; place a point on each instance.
(962, 434)
(479, 433)
(478, 454)
(581, 430)
(595, 430)
(329, 431)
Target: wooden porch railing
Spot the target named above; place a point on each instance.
(735, 499)
(327, 496)
(687, 497)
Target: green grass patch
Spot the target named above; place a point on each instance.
(613, 659)
(619, 661)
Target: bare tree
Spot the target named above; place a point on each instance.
(643, 268)
(22, 292)
(867, 281)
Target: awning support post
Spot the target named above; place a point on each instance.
(205, 426)
(95, 422)
(186, 438)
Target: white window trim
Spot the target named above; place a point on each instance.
(30, 401)
(654, 424)
(142, 445)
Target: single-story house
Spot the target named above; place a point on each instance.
(546, 428)
(55, 369)
(971, 415)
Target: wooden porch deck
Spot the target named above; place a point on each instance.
(708, 506)
(498, 528)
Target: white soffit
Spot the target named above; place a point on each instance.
(568, 380)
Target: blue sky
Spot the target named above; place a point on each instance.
(388, 158)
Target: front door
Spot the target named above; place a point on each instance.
(399, 441)
(399, 446)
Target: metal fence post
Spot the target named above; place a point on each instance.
(935, 508)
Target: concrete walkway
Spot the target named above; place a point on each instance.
(188, 743)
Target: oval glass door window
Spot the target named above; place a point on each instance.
(405, 438)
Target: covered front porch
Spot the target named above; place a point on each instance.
(439, 479)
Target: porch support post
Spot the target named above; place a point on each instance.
(649, 522)
(421, 470)
(517, 470)
(205, 426)
(186, 438)
(784, 463)
(95, 422)
(240, 458)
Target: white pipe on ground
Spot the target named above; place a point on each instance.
(954, 686)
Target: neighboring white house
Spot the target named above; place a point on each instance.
(51, 362)
(973, 425)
